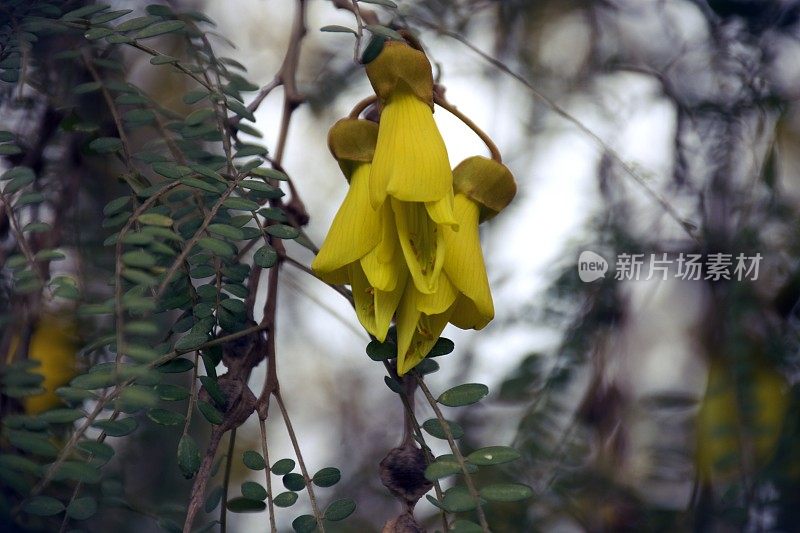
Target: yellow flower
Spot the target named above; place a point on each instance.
(410, 162)
(462, 295)
(406, 236)
(362, 248)
(355, 231)
(53, 345)
(420, 321)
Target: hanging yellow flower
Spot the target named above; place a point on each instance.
(483, 188)
(53, 345)
(410, 164)
(406, 236)
(361, 248)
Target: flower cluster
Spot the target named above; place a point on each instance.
(406, 236)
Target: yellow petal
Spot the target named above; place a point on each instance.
(466, 316)
(438, 302)
(463, 261)
(355, 229)
(374, 308)
(386, 303)
(441, 211)
(422, 242)
(384, 264)
(416, 333)
(407, 317)
(363, 298)
(340, 276)
(410, 161)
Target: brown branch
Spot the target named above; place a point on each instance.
(23, 243)
(362, 105)
(367, 15)
(201, 478)
(271, 384)
(226, 478)
(265, 449)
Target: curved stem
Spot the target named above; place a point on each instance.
(441, 102)
(362, 105)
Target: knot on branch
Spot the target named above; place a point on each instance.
(405, 523)
(403, 473)
(240, 402)
(297, 210)
(243, 354)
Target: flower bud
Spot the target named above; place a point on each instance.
(352, 141)
(486, 182)
(398, 63)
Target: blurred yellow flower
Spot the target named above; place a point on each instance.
(53, 345)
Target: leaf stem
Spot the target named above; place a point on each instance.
(473, 492)
(300, 461)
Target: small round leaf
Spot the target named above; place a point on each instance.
(327, 477)
(253, 491)
(294, 482)
(506, 492)
(493, 455)
(465, 394)
(340, 509)
(285, 499)
(282, 467)
(253, 460)
(43, 506)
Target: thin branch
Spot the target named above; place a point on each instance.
(226, 479)
(271, 385)
(556, 108)
(341, 289)
(126, 146)
(473, 492)
(20, 237)
(197, 235)
(262, 423)
(300, 461)
(359, 31)
(362, 105)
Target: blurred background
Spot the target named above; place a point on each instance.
(631, 126)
